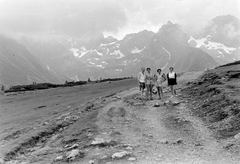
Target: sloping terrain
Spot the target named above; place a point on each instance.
(98, 57)
(19, 66)
(108, 123)
(216, 99)
(28, 114)
(55, 57)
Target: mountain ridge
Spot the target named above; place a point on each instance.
(107, 57)
(19, 66)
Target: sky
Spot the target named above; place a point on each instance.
(82, 18)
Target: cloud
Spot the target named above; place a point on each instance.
(231, 32)
(73, 17)
(113, 17)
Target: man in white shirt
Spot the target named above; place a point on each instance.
(141, 80)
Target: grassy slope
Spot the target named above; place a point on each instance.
(216, 99)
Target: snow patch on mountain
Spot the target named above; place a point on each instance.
(75, 51)
(117, 52)
(125, 62)
(206, 42)
(83, 51)
(136, 50)
(104, 45)
(96, 65)
(112, 43)
(48, 67)
(99, 53)
(164, 66)
(167, 53)
(100, 66)
(91, 63)
(221, 54)
(119, 70)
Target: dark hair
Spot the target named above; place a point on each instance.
(159, 70)
(171, 68)
(148, 68)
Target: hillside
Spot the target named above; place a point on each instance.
(98, 57)
(215, 98)
(19, 66)
(108, 123)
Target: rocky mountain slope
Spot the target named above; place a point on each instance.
(98, 57)
(19, 66)
(220, 39)
(216, 97)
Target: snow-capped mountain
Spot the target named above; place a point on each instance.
(99, 57)
(169, 47)
(220, 39)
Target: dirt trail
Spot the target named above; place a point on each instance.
(134, 128)
(164, 134)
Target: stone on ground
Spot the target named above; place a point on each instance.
(59, 158)
(73, 154)
(132, 159)
(120, 155)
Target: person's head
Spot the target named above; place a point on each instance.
(159, 71)
(171, 69)
(149, 69)
(142, 69)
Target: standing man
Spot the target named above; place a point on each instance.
(141, 80)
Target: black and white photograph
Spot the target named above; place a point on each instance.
(120, 82)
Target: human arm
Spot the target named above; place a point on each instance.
(176, 77)
(138, 77)
(164, 77)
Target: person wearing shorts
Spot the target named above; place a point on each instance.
(160, 79)
(149, 83)
(141, 81)
(172, 80)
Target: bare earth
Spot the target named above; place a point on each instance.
(104, 123)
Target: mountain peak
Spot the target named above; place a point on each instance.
(169, 23)
(224, 29)
(225, 19)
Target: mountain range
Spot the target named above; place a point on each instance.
(220, 39)
(60, 59)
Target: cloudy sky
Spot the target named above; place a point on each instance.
(78, 18)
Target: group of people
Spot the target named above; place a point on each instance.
(149, 80)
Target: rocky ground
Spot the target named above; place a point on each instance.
(117, 127)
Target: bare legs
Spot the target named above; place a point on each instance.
(142, 91)
(141, 88)
(149, 90)
(160, 92)
(172, 90)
